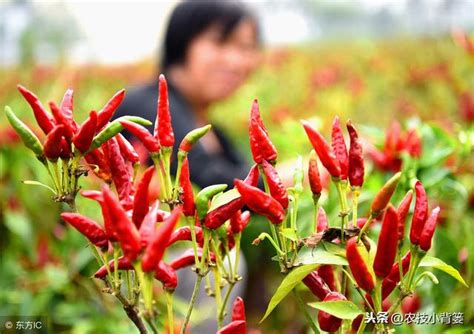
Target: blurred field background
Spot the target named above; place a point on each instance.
(373, 63)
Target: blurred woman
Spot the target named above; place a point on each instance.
(210, 49)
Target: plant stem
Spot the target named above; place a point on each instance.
(355, 203)
(364, 228)
(302, 307)
(196, 289)
(169, 304)
(217, 283)
(225, 301)
(193, 238)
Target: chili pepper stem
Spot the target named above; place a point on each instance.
(166, 153)
(169, 307)
(362, 325)
(157, 161)
(178, 174)
(316, 209)
(217, 289)
(152, 325)
(237, 238)
(225, 301)
(196, 289)
(264, 235)
(116, 278)
(364, 228)
(341, 192)
(355, 202)
(377, 298)
(129, 285)
(194, 242)
(303, 309)
(205, 249)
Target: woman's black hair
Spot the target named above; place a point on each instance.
(192, 17)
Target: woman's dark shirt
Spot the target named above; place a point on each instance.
(205, 168)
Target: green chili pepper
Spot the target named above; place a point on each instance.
(29, 138)
(192, 137)
(114, 128)
(205, 195)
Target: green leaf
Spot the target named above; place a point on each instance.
(289, 233)
(320, 256)
(288, 284)
(430, 261)
(343, 309)
(224, 198)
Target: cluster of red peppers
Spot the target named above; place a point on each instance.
(396, 143)
(136, 230)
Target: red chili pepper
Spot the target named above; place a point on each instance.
(84, 136)
(60, 118)
(187, 259)
(235, 327)
(327, 274)
(123, 264)
(119, 170)
(187, 197)
(126, 232)
(326, 321)
(223, 213)
(387, 244)
(238, 310)
(260, 202)
(277, 190)
(148, 225)
(66, 109)
(322, 220)
(66, 152)
(316, 285)
(413, 143)
(402, 212)
(356, 157)
(166, 275)
(108, 226)
(163, 127)
(420, 213)
(313, 174)
(390, 282)
(252, 176)
(255, 115)
(428, 230)
(140, 200)
(150, 142)
(411, 304)
(239, 221)
(106, 113)
(184, 234)
(87, 227)
(260, 144)
(157, 246)
(383, 196)
(322, 148)
(52, 145)
(127, 149)
(44, 119)
(339, 148)
(99, 165)
(358, 267)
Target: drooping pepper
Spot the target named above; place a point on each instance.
(428, 230)
(157, 246)
(123, 264)
(326, 321)
(359, 269)
(313, 175)
(127, 149)
(239, 221)
(187, 196)
(52, 145)
(402, 212)
(43, 118)
(420, 213)
(316, 285)
(184, 234)
(126, 232)
(215, 218)
(383, 196)
(97, 196)
(106, 113)
(390, 282)
(387, 244)
(87, 227)
(142, 134)
(163, 128)
(339, 148)
(277, 190)
(356, 157)
(322, 148)
(187, 259)
(140, 200)
(27, 136)
(327, 274)
(83, 138)
(166, 275)
(260, 202)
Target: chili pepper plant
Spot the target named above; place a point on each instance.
(348, 269)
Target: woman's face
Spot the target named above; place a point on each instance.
(218, 67)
